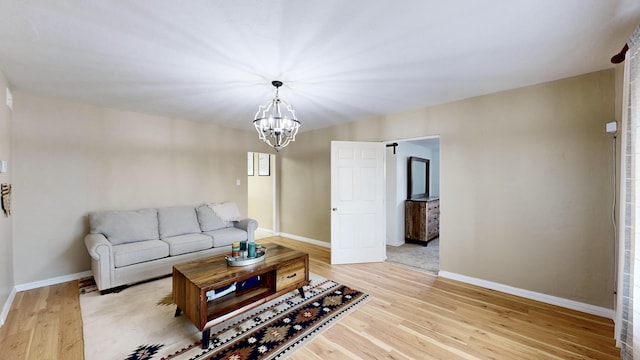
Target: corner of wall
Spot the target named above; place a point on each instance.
(7, 306)
(7, 278)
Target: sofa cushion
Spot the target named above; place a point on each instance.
(209, 221)
(125, 226)
(224, 237)
(177, 221)
(137, 252)
(183, 244)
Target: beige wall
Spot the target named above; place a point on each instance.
(6, 238)
(261, 194)
(305, 185)
(525, 184)
(525, 179)
(70, 159)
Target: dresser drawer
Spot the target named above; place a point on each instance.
(433, 218)
(433, 230)
(290, 274)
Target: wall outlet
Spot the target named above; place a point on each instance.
(9, 99)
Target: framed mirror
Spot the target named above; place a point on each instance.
(417, 178)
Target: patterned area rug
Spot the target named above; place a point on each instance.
(139, 323)
(416, 255)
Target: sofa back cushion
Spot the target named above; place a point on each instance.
(178, 221)
(125, 226)
(208, 219)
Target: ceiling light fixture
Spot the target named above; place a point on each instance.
(276, 124)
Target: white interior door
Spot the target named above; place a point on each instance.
(357, 202)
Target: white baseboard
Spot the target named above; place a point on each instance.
(35, 285)
(395, 244)
(53, 281)
(549, 299)
(265, 230)
(7, 306)
(307, 240)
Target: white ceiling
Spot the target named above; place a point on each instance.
(214, 61)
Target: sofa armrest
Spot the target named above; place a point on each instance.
(97, 245)
(248, 225)
(101, 252)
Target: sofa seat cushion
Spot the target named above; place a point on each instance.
(175, 221)
(209, 221)
(137, 252)
(183, 244)
(226, 236)
(125, 226)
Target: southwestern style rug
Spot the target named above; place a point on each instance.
(139, 323)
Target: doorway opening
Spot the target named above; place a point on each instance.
(424, 254)
(262, 193)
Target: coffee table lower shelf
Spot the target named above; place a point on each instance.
(283, 271)
(257, 298)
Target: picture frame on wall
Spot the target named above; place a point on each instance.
(250, 164)
(263, 165)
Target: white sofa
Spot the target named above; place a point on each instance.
(132, 246)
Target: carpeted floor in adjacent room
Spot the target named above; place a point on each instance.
(415, 255)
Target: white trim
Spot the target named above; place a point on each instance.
(7, 306)
(620, 237)
(38, 284)
(53, 281)
(553, 300)
(304, 239)
(437, 136)
(274, 191)
(262, 233)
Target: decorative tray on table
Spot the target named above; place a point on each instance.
(242, 261)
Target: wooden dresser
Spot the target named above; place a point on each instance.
(422, 220)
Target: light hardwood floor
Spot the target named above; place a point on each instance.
(412, 315)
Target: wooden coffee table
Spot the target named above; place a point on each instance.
(283, 270)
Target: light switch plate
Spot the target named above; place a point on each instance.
(611, 127)
(3, 166)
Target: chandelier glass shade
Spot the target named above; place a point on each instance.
(276, 121)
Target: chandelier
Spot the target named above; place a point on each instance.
(276, 121)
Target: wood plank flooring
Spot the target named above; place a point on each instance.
(412, 315)
(44, 323)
